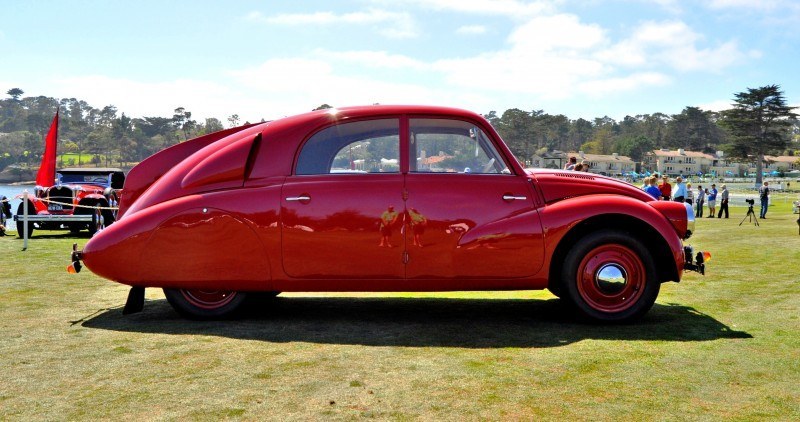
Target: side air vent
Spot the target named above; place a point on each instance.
(576, 176)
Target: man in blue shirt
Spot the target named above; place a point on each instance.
(712, 201)
(680, 190)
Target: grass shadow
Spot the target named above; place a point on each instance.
(42, 235)
(418, 322)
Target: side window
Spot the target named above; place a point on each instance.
(452, 146)
(371, 146)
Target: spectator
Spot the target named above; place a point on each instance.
(689, 193)
(712, 201)
(652, 188)
(723, 203)
(763, 194)
(571, 163)
(665, 188)
(701, 199)
(585, 165)
(680, 190)
(578, 167)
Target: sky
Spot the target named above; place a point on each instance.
(268, 59)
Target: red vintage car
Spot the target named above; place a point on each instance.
(81, 198)
(382, 198)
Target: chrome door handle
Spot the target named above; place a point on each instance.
(301, 198)
(514, 198)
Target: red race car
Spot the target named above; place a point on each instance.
(81, 198)
(382, 198)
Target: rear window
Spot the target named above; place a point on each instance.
(371, 146)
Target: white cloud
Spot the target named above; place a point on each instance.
(511, 8)
(671, 44)
(552, 56)
(394, 24)
(137, 98)
(374, 59)
(763, 5)
(623, 84)
(471, 30)
(298, 84)
(555, 33)
(716, 105)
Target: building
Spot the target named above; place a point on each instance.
(780, 164)
(550, 160)
(607, 165)
(678, 162)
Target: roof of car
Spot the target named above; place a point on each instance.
(379, 109)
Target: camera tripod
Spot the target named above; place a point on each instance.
(752, 215)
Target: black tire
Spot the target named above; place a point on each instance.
(610, 276)
(108, 217)
(556, 289)
(21, 224)
(205, 304)
(98, 222)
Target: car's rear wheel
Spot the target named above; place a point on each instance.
(610, 276)
(204, 304)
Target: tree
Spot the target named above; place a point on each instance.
(635, 147)
(759, 123)
(15, 93)
(213, 125)
(233, 120)
(693, 129)
(322, 107)
(516, 128)
(580, 132)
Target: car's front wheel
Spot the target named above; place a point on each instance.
(21, 224)
(610, 276)
(204, 304)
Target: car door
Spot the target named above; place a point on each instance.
(467, 215)
(342, 209)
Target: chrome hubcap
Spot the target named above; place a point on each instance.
(611, 279)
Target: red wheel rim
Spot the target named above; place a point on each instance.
(208, 299)
(611, 278)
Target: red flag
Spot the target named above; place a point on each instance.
(47, 170)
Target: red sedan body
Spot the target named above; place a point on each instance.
(383, 198)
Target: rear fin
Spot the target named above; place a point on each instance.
(152, 168)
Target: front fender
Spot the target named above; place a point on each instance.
(612, 211)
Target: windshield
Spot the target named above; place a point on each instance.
(94, 178)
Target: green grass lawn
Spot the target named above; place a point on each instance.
(723, 346)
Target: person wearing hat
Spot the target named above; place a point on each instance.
(723, 202)
(665, 188)
(712, 201)
(680, 190)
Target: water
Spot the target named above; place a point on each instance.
(10, 191)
